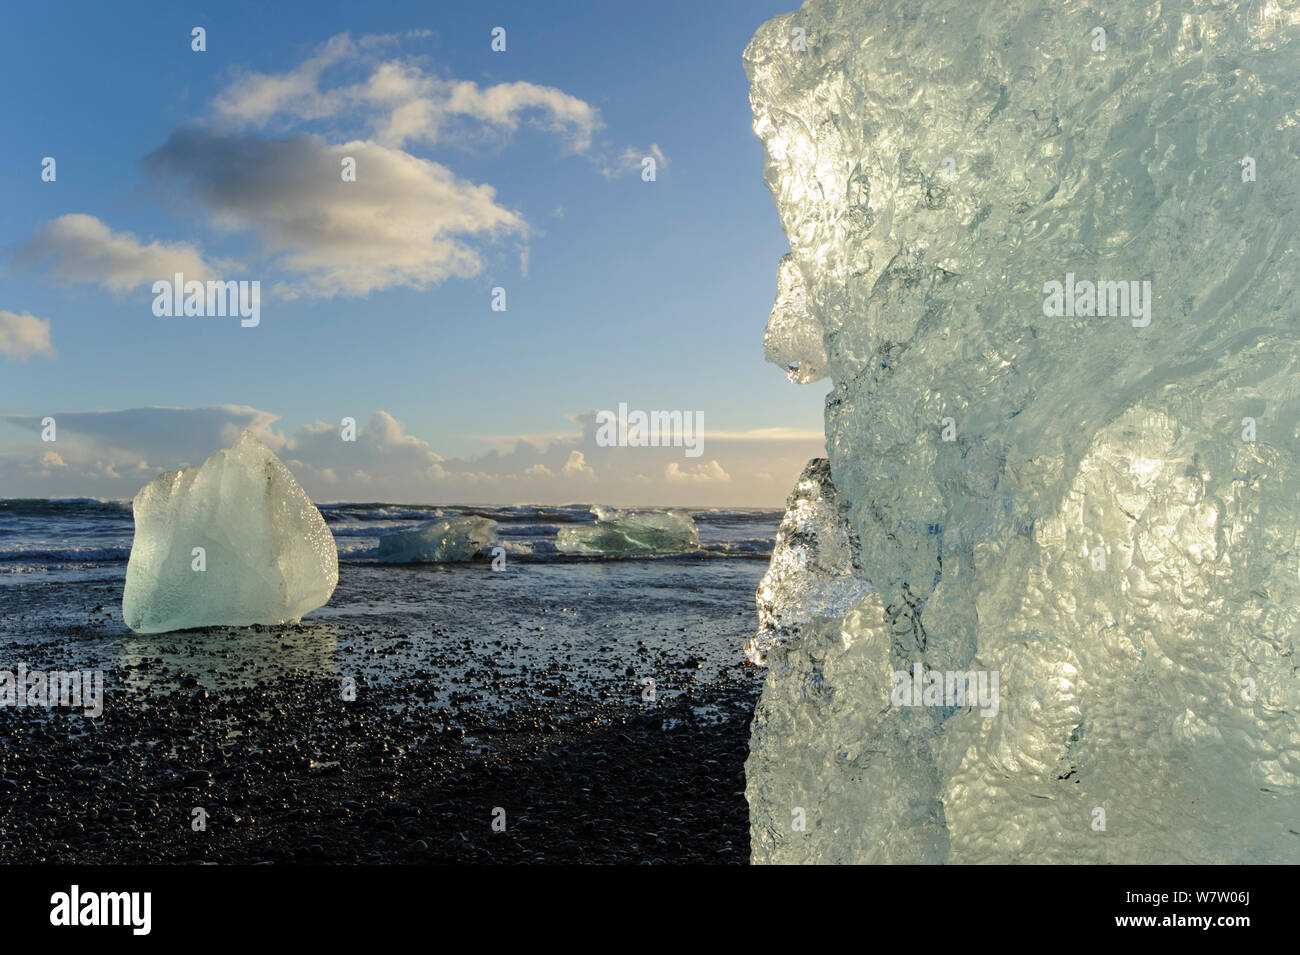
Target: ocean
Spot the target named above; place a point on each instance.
(58, 536)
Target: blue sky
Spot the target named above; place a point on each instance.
(476, 169)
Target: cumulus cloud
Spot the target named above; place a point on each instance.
(254, 98)
(80, 248)
(414, 107)
(380, 445)
(22, 336)
(700, 474)
(404, 221)
(398, 101)
(269, 166)
(576, 466)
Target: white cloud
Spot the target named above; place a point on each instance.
(577, 466)
(399, 102)
(81, 248)
(700, 474)
(381, 449)
(22, 336)
(254, 98)
(767, 434)
(406, 221)
(502, 105)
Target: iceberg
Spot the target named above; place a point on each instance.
(816, 567)
(619, 533)
(234, 542)
(1056, 276)
(438, 541)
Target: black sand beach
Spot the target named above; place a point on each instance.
(531, 713)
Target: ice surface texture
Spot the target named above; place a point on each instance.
(815, 569)
(1101, 529)
(629, 533)
(794, 338)
(456, 539)
(267, 555)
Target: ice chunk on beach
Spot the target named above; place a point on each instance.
(1098, 503)
(438, 541)
(816, 569)
(619, 533)
(233, 543)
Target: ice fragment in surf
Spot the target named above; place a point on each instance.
(628, 533)
(267, 556)
(439, 541)
(1102, 530)
(815, 570)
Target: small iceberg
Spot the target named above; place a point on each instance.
(233, 543)
(438, 542)
(630, 533)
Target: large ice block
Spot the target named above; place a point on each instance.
(1052, 252)
(439, 541)
(234, 542)
(622, 533)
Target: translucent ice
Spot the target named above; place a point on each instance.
(793, 338)
(629, 533)
(436, 542)
(1055, 476)
(815, 569)
(232, 543)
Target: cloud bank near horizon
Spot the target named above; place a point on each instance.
(112, 454)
